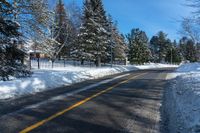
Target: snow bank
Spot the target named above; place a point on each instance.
(45, 79)
(189, 68)
(154, 66)
(182, 101)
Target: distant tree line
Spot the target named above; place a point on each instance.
(160, 49)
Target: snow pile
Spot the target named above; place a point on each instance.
(182, 101)
(155, 66)
(45, 79)
(190, 67)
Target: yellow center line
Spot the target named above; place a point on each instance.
(40, 123)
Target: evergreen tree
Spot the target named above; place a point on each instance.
(116, 48)
(11, 57)
(191, 51)
(139, 52)
(154, 49)
(84, 48)
(173, 54)
(119, 44)
(198, 51)
(120, 47)
(188, 49)
(93, 32)
(159, 46)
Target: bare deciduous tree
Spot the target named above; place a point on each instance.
(190, 28)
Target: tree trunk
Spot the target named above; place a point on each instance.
(82, 62)
(52, 63)
(64, 63)
(98, 62)
(38, 60)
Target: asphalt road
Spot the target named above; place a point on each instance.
(128, 104)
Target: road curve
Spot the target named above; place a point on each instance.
(129, 104)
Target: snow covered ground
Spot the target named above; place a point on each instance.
(45, 79)
(182, 101)
(154, 66)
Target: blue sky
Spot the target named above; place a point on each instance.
(148, 15)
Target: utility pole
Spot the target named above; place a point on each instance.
(111, 55)
(98, 56)
(111, 44)
(171, 56)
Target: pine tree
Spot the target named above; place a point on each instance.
(84, 48)
(173, 54)
(154, 49)
(159, 46)
(93, 32)
(11, 57)
(139, 52)
(120, 48)
(103, 31)
(191, 51)
(198, 51)
(119, 44)
(188, 49)
(111, 41)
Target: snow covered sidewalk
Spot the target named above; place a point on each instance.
(46, 79)
(182, 101)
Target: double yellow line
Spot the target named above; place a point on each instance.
(40, 123)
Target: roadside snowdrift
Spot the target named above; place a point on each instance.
(182, 101)
(154, 66)
(46, 79)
